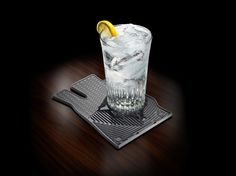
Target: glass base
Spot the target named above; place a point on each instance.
(124, 105)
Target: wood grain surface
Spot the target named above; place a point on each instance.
(64, 144)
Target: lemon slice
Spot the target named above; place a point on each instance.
(106, 28)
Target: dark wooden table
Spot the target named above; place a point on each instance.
(64, 144)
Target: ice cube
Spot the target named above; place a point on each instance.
(115, 61)
(115, 64)
(108, 56)
(137, 55)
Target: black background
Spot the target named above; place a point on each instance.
(42, 35)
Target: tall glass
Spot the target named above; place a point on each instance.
(125, 59)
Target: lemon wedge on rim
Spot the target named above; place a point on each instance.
(106, 28)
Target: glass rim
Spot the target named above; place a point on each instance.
(124, 24)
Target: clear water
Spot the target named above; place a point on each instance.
(126, 64)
